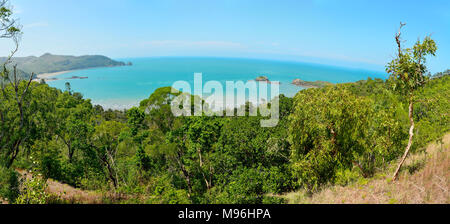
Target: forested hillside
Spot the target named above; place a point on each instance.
(49, 63)
(333, 135)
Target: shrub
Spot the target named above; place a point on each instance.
(34, 192)
(9, 184)
(245, 187)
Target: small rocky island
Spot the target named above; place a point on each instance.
(262, 79)
(308, 84)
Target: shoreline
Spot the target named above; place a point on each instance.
(53, 74)
(47, 76)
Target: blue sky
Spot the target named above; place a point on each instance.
(358, 33)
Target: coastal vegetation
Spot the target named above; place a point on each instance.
(441, 74)
(336, 135)
(339, 135)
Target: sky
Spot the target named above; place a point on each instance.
(358, 33)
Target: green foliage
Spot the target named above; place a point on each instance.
(136, 119)
(49, 63)
(345, 177)
(18, 129)
(337, 128)
(158, 106)
(143, 161)
(106, 142)
(34, 192)
(338, 134)
(245, 187)
(277, 180)
(441, 74)
(165, 193)
(9, 184)
(408, 69)
(228, 159)
(327, 132)
(431, 111)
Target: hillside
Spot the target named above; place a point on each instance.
(49, 63)
(425, 179)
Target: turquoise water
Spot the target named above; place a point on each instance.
(124, 87)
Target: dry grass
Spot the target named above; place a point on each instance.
(69, 194)
(63, 193)
(424, 180)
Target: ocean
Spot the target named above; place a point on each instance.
(124, 87)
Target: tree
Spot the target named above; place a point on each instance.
(407, 74)
(73, 127)
(158, 107)
(328, 131)
(136, 120)
(106, 143)
(15, 111)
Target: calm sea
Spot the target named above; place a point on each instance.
(124, 87)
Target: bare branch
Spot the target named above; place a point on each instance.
(399, 40)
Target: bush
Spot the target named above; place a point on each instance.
(345, 177)
(277, 180)
(163, 192)
(270, 200)
(34, 192)
(344, 127)
(245, 187)
(9, 184)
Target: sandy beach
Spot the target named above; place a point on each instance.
(50, 75)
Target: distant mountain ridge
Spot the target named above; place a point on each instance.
(49, 63)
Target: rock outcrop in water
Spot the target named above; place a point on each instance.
(262, 79)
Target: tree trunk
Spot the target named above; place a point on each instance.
(71, 152)
(14, 153)
(411, 135)
(185, 173)
(111, 173)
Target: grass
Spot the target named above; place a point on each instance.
(65, 194)
(424, 180)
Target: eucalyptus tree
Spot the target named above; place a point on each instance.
(407, 75)
(15, 109)
(329, 130)
(106, 142)
(74, 127)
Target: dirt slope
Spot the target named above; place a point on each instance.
(67, 193)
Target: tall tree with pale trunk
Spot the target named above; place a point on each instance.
(407, 74)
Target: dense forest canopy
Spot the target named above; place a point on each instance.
(329, 135)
